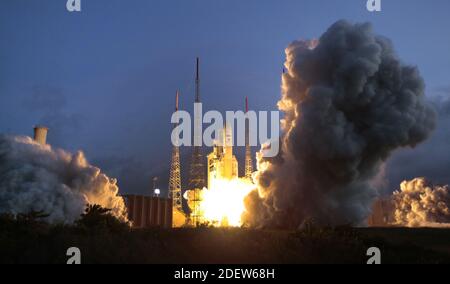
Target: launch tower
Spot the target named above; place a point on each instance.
(248, 150)
(175, 182)
(197, 171)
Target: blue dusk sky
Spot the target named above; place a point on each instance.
(104, 79)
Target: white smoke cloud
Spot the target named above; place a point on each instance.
(34, 177)
(419, 203)
(348, 102)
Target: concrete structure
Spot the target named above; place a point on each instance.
(382, 213)
(40, 134)
(148, 212)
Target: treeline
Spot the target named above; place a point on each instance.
(101, 238)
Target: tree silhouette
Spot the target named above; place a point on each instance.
(32, 216)
(98, 219)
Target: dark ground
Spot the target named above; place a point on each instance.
(28, 240)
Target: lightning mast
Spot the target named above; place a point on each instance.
(175, 173)
(248, 151)
(197, 171)
(197, 179)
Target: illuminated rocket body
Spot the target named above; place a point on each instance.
(222, 164)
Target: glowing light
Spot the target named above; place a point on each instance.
(223, 204)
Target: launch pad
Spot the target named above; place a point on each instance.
(208, 181)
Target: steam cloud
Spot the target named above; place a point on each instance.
(348, 103)
(38, 178)
(420, 204)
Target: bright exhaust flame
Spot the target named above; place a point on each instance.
(223, 204)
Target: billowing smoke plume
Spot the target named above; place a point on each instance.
(348, 103)
(34, 177)
(418, 203)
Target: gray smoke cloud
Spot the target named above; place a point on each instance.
(34, 177)
(348, 103)
(426, 160)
